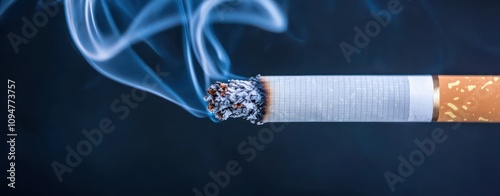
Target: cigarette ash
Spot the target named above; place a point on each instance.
(237, 99)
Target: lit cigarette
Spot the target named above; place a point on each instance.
(358, 99)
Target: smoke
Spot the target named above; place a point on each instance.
(129, 41)
(4, 5)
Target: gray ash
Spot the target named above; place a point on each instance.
(238, 99)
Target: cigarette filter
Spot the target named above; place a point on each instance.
(264, 99)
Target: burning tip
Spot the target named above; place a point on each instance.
(237, 99)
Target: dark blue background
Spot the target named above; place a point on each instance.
(161, 149)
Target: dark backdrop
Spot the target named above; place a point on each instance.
(161, 149)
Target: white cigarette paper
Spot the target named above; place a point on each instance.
(349, 98)
(325, 99)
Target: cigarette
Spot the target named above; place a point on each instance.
(426, 98)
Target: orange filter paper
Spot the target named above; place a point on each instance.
(469, 99)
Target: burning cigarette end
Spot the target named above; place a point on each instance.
(264, 99)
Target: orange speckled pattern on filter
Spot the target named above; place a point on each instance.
(469, 99)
